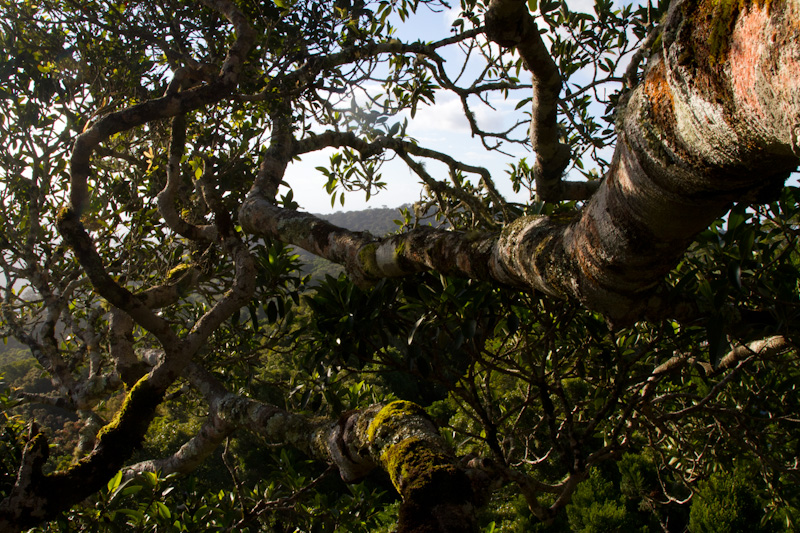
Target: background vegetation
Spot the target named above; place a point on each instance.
(673, 424)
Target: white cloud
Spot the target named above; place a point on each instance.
(447, 114)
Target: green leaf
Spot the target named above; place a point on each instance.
(133, 489)
(469, 328)
(735, 274)
(513, 323)
(114, 482)
(523, 102)
(272, 312)
(163, 510)
(253, 317)
(134, 514)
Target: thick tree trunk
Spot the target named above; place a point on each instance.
(716, 120)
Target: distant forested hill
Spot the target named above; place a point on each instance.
(12, 351)
(379, 222)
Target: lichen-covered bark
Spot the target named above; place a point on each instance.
(37, 497)
(397, 437)
(713, 122)
(437, 496)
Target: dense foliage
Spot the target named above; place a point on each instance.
(566, 421)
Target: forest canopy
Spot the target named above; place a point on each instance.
(599, 338)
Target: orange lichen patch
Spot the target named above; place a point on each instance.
(656, 85)
(659, 94)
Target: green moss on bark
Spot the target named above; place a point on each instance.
(367, 260)
(416, 467)
(117, 440)
(437, 496)
(133, 417)
(115, 444)
(390, 415)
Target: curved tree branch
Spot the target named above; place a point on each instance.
(166, 107)
(509, 24)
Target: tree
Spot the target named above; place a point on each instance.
(145, 235)
(725, 504)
